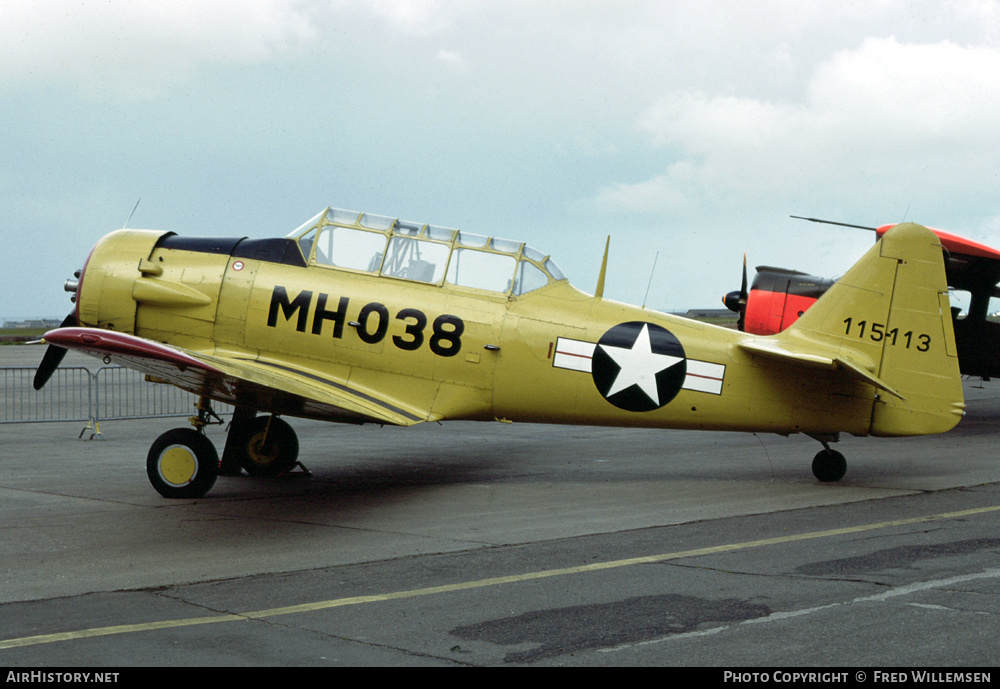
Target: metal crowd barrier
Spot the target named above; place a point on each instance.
(74, 393)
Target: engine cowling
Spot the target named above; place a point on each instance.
(778, 297)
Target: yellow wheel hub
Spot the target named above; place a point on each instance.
(178, 465)
(261, 453)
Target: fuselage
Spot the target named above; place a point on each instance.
(461, 343)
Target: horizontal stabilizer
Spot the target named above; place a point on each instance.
(774, 350)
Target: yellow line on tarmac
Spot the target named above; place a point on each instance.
(479, 583)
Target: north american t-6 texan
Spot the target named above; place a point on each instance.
(361, 318)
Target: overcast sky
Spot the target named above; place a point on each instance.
(688, 131)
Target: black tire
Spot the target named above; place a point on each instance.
(182, 463)
(270, 451)
(829, 466)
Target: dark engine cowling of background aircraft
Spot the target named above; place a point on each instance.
(776, 299)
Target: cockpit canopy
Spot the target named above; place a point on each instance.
(385, 246)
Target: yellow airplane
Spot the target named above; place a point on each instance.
(361, 318)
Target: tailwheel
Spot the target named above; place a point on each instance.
(182, 463)
(829, 465)
(272, 447)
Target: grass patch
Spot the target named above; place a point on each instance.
(18, 335)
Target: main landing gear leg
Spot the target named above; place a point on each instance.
(262, 445)
(183, 462)
(829, 465)
(235, 450)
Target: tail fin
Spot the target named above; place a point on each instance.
(889, 321)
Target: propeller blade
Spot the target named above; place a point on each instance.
(744, 296)
(743, 287)
(53, 357)
(737, 301)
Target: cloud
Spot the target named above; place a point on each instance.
(420, 17)
(453, 60)
(885, 115)
(141, 46)
(664, 193)
(680, 120)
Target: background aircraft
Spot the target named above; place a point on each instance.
(778, 297)
(360, 318)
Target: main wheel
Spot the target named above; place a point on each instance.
(829, 466)
(272, 448)
(182, 463)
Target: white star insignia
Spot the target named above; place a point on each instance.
(639, 366)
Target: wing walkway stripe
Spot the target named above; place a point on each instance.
(480, 583)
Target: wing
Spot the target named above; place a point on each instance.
(271, 386)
